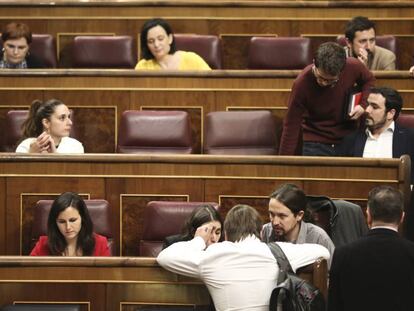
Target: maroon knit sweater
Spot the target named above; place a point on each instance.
(319, 111)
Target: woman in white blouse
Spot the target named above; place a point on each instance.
(47, 129)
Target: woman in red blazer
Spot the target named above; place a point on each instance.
(70, 231)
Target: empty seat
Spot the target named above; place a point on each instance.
(208, 47)
(279, 53)
(155, 132)
(103, 52)
(43, 48)
(406, 120)
(13, 129)
(99, 212)
(240, 132)
(162, 219)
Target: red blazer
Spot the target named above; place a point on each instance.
(101, 246)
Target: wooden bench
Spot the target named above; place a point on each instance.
(98, 97)
(109, 284)
(129, 182)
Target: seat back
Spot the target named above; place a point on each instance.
(208, 47)
(240, 132)
(103, 52)
(155, 131)
(13, 129)
(279, 53)
(43, 48)
(162, 219)
(406, 120)
(99, 211)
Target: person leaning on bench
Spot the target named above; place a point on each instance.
(241, 272)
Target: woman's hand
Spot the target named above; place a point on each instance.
(52, 146)
(43, 144)
(205, 232)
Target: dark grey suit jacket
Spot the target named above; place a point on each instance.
(376, 272)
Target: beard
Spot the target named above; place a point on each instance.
(374, 126)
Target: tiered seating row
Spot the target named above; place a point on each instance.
(129, 182)
(225, 50)
(234, 22)
(98, 98)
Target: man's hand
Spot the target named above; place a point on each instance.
(412, 71)
(363, 56)
(356, 113)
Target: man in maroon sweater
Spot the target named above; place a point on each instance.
(319, 99)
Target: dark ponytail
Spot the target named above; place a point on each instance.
(33, 126)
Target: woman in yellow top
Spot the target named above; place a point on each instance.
(158, 50)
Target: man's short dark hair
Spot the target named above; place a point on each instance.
(242, 221)
(359, 23)
(291, 196)
(331, 58)
(386, 204)
(393, 99)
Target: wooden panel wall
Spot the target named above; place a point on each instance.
(98, 98)
(129, 182)
(110, 284)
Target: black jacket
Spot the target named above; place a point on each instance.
(376, 272)
(402, 143)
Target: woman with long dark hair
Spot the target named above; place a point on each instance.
(70, 230)
(202, 215)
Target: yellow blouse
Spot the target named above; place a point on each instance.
(188, 61)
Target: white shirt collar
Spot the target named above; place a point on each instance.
(390, 128)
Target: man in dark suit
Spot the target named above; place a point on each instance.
(382, 137)
(376, 272)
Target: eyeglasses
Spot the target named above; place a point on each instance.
(322, 80)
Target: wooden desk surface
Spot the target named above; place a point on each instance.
(129, 78)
